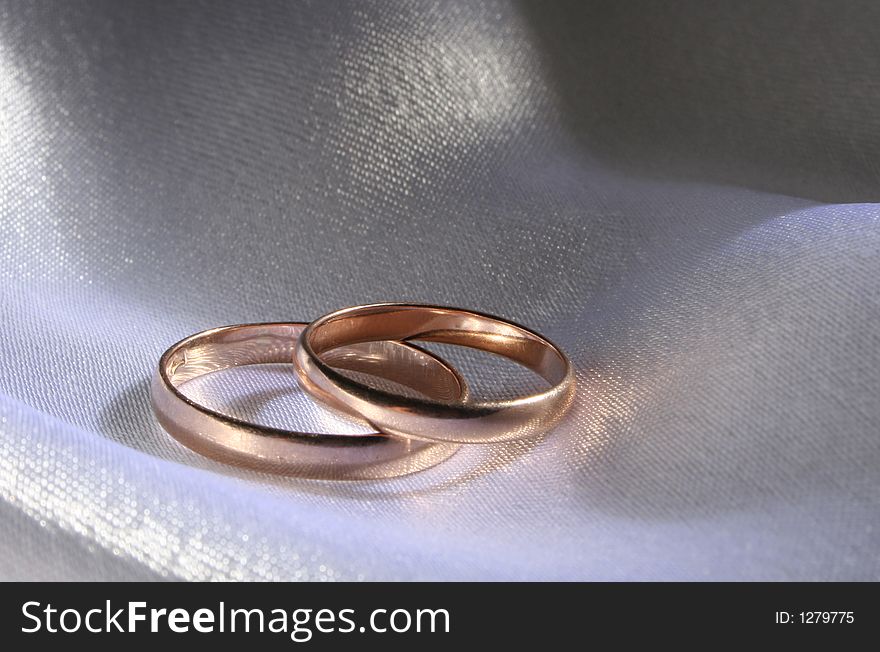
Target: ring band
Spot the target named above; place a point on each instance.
(462, 421)
(326, 456)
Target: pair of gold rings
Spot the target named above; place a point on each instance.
(413, 432)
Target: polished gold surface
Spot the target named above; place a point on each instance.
(459, 420)
(317, 455)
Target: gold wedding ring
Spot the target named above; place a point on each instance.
(413, 432)
(315, 455)
(430, 419)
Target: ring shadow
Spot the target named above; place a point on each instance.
(129, 420)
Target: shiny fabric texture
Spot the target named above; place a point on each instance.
(681, 195)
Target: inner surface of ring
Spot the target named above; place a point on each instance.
(441, 325)
(275, 343)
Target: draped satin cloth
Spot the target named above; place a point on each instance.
(681, 195)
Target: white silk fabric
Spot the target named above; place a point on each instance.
(681, 195)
